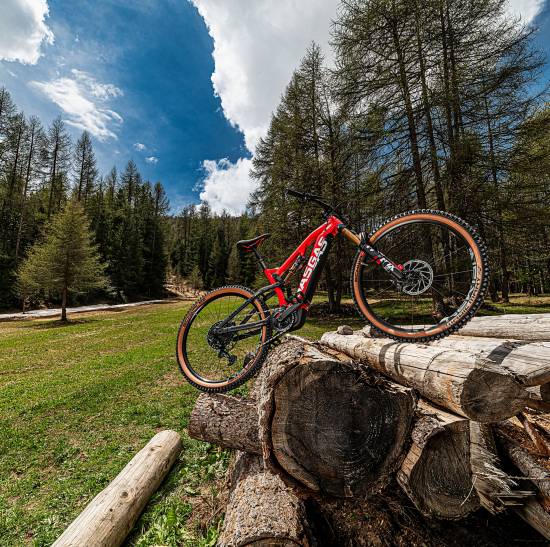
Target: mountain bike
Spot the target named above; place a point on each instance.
(419, 276)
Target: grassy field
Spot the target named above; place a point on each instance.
(78, 400)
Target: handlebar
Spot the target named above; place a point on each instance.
(306, 196)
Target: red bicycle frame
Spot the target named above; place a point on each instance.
(322, 238)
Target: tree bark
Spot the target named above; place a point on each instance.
(436, 473)
(534, 327)
(227, 421)
(262, 509)
(110, 516)
(528, 362)
(457, 380)
(329, 424)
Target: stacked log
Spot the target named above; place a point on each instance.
(322, 423)
(459, 380)
(340, 418)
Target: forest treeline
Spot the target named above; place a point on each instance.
(436, 104)
(41, 169)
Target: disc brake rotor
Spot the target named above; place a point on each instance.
(418, 277)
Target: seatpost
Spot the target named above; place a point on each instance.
(260, 259)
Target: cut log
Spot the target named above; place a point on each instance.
(329, 424)
(262, 510)
(457, 380)
(225, 421)
(436, 473)
(519, 327)
(108, 518)
(528, 362)
(496, 490)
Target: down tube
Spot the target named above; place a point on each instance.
(317, 268)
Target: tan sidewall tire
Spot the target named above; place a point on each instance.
(475, 299)
(251, 367)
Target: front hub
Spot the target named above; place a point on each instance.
(418, 277)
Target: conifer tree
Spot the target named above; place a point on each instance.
(66, 262)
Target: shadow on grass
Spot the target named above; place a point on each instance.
(55, 323)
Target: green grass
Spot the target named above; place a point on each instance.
(77, 401)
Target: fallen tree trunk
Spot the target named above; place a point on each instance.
(109, 517)
(226, 421)
(457, 380)
(436, 473)
(329, 424)
(528, 362)
(518, 327)
(262, 510)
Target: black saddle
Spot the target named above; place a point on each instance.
(248, 245)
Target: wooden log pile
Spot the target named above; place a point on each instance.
(351, 417)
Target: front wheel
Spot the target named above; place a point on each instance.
(445, 276)
(222, 341)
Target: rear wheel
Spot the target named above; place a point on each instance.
(445, 276)
(212, 359)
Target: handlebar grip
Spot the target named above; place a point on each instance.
(295, 193)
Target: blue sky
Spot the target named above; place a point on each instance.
(159, 55)
(183, 87)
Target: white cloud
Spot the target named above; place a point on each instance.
(140, 147)
(82, 98)
(152, 159)
(23, 30)
(101, 91)
(527, 9)
(227, 185)
(256, 49)
(257, 46)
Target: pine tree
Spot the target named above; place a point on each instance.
(66, 262)
(85, 167)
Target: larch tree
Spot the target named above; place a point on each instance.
(66, 262)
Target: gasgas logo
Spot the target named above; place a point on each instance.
(318, 250)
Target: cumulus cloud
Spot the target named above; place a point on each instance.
(83, 99)
(256, 49)
(152, 159)
(227, 185)
(140, 147)
(23, 30)
(526, 9)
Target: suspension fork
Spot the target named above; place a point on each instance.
(395, 270)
